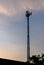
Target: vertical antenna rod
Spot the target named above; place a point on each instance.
(28, 40)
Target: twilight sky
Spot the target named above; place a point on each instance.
(13, 30)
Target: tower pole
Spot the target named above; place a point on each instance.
(28, 37)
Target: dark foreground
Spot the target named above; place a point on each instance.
(12, 62)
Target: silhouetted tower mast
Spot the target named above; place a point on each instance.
(28, 40)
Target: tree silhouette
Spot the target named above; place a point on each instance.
(43, 59)
(37, 59)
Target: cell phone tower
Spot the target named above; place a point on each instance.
(28, 36)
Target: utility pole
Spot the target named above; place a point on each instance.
(28, 37)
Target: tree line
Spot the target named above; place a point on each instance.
(37, 59)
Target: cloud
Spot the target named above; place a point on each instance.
(12, 10)
(34, 4)
(7, 11)
(11, 7)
